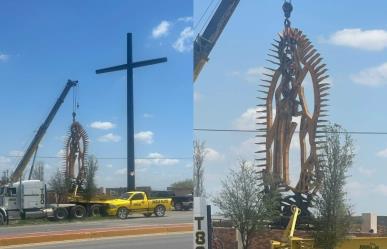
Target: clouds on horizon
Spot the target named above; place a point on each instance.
(161, 30)
(373, 76)
(156, 158)
(144, 136)
(184, 42)
(4, 57)
(100, 125)
(370, 40)
(110, 137)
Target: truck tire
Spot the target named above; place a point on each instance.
(178, 206)
(159, 211)
(61, 213)
(78, 212)
(2, 219)
(95, 211)
(122, 213)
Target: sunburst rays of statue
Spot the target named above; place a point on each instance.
(294, 59)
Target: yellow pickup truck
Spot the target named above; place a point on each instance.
(137, 202)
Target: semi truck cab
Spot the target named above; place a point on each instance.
(25, 199)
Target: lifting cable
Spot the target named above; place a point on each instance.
(202, 16)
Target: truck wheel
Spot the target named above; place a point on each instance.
(2, 219)
(160, 211)
(122, 213)
(78, 212)
(147, 214)
(95, 211)
(61, 213)
(178, 206)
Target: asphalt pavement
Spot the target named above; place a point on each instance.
(171, 241)
(174, 217)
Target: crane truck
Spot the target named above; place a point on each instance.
(21, 199)
(25, 199)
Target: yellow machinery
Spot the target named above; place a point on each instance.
(289, 241)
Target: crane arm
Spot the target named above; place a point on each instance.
(40, 133)
(204, 43)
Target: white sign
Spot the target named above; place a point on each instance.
(200, 223)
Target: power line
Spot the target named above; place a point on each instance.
(249, 131)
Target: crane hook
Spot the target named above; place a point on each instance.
(287, 8)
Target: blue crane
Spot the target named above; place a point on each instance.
(205, 42)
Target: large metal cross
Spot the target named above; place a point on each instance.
(129, 66)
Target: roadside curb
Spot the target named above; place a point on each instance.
(93, 233)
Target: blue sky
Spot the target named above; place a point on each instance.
(351, 36)
(44, 43)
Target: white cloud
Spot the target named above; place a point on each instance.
(185, 19)
(185, 41)
(147, 115)
(144, 136)
(156, 159)
(365, 171)
(161, 30)
(382, 153)
(102, 125)
(4, 57)
(61, 153)
(16, 153)
(235, 73)
(189, 166)
(374, 76)
(355, 188)
(248, 119)
(120, 171)
(381, 189)
(4, 160)
(109, 166)
(247, 148)
(212, 155)
(372, 40)
(254, 74)
(110, 137)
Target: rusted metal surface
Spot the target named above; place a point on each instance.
(285, 111)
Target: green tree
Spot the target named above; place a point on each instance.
(186, 184)
(333, 218)
(243, 201)
(60, 185)
(90, 189)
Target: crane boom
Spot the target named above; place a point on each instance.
(204, 43)
(39, 135)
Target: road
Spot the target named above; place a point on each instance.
(132, 221)
(171, 241)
